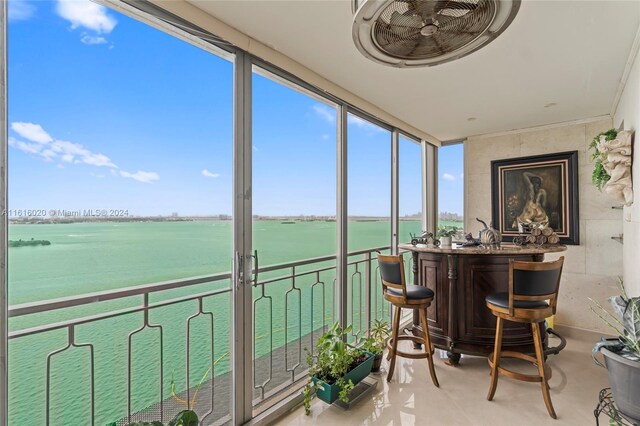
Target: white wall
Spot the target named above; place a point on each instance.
(591, 269)
(629, 111)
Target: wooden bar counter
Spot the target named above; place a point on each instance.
(461, 278)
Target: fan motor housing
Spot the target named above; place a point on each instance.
(422, 33)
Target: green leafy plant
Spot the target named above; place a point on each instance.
(447, 231)
(625, 319)
(377, 340)
(600, 177)
(334, 359)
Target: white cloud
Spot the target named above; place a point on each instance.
(86, 14)
(29, 148)
(41, 144)
(71, 152)
(207, 173)
(33, 132)
(447, 176)
(89, 39)
(364, 124)
(140, 176)
(325, 137)
(20, 10)
(325, 113)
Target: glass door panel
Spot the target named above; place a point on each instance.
(120, 184)
(294, 230)
(369, 227)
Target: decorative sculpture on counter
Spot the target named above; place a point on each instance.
(489, 237)
(425, 238)
(470, 241)
(613, 158)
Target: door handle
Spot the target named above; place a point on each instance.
(256, 267)
(238, 270)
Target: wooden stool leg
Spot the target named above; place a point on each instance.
(537, 340)
(394, 345)
(427, 345)
(496, 359)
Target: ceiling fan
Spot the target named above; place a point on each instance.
(414, 33)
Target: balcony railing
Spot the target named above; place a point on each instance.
(84, 343)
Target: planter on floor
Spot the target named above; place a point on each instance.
(329, 393)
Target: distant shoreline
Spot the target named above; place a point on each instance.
(221, 218)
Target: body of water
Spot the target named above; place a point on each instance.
(90, 257)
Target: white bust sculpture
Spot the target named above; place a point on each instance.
(617, 163)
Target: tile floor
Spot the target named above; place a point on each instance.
(411, 399)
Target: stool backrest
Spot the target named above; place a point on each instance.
(535, 281)
(392, 273)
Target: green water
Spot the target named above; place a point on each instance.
(91, 257)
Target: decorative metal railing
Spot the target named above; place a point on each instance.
(302, 292)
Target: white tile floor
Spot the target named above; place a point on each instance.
(410, 398)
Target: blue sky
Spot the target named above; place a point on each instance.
(108, 113)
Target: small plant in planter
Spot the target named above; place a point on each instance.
(445, 233)
(377, 342)
(622, 354)
(336, 368)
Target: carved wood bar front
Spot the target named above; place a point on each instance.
(461, 278)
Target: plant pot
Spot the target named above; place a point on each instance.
(624, 380)
(445, 241)
(377, 362)
(329, 393)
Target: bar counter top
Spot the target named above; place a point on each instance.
(505, 249)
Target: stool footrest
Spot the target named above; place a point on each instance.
(413, 355)
(516, 375)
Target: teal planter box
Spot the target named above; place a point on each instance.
(329, 393)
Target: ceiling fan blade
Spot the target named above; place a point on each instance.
(403, 47)
(405, 20)
(454, 8)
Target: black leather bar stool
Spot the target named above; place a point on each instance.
(531, 285)
(401, 295)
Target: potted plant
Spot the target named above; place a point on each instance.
(622, 354)
(336, 368)
(445, 233)
(376, 342)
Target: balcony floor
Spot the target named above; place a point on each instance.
(411, 398)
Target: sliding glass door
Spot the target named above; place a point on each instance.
(120, 159)
(294, 233)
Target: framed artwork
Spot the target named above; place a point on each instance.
(542, 189)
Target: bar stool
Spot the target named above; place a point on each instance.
(401, 295)
(531, 284)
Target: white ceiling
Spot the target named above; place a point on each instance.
(571, 53)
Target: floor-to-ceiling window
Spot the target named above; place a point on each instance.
(410, 180)
(369, 213)
(451, 186)
(294, 208)
(122, 164)
(120, 157)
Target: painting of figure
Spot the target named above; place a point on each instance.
(536, 190)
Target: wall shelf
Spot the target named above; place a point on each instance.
(619, 238)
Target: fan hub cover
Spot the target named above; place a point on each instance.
(430, 28)
(412, 33)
